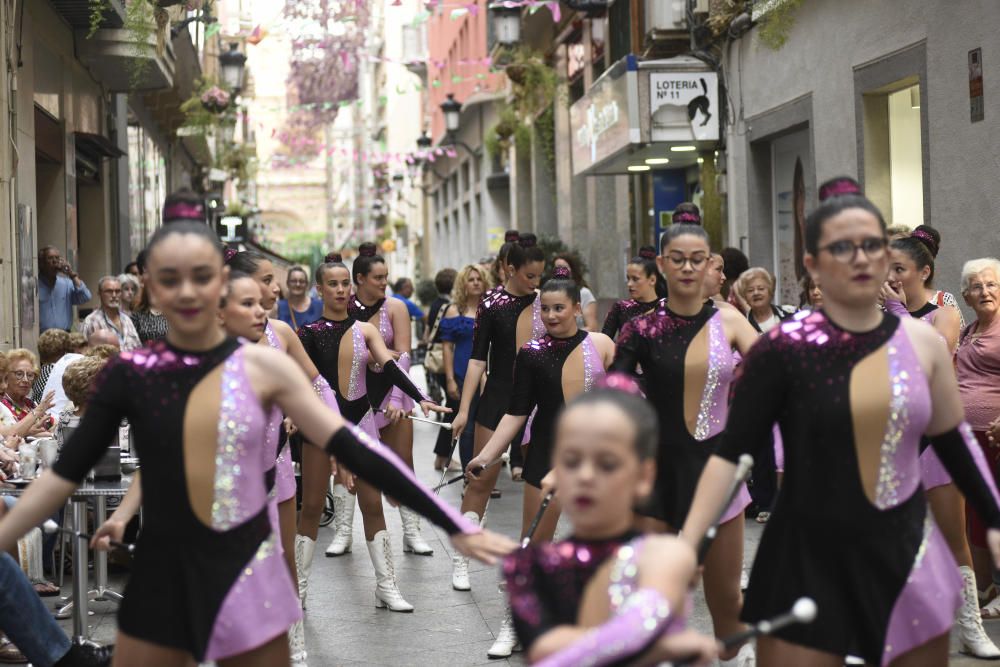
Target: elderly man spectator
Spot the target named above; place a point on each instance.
(59, 289)
(110, 316)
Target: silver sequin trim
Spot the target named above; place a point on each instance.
(889, 476)
(233, 425)
(717, 348)
(358, 360)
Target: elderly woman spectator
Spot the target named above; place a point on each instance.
(757, 290)
(19, 415)
(130, 292)
(811, 296)
(77, 382)
(977, 365)
(52, 345)
(77, 343)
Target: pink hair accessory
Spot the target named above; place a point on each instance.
(687, 217)
(183, 211)
(837, 188)
(562, 273)
(228, 254)
(621, 382)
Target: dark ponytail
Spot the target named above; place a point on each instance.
(646, 259)
(367, 258)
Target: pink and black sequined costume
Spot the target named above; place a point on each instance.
(538, 382)
(623, 311)
(494, 340)
(284, 486)
(220, 589)
(882, 575)
(659, 342)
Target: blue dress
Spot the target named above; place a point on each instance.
(312, 314)
(458, 330)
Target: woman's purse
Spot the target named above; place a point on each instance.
(434, 360)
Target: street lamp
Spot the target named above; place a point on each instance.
(506, 23)
(452, 109)
(424, 142)
(232, 63)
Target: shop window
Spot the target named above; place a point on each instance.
(147, 186)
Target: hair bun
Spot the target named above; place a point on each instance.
(621, 382)
(927, 239)
(686, 217)
(511, 236)
(527, 240)
(562, 273)
(839, 186)
(647, 252)
(228, 254)
(333, 258)
(366, 249)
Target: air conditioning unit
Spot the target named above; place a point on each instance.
(666, 15)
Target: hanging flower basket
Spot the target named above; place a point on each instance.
(215, 99)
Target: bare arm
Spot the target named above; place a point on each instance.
(590, 317)
(40, 501)
(401, 331)
(741, 335)
(949, 323)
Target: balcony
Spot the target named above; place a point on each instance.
(77, 13)
(113, 55)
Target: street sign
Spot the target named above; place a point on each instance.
(977, 109)
(684, 106)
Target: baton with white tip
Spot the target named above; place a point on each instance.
(803, 611)
(743, 468)
(538, 518)
(51, 527)
(444, 425)
(503, 457)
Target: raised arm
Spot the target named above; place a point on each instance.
(400, 378)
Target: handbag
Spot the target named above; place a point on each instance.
(434, 360)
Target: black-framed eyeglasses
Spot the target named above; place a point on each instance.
(845, 251)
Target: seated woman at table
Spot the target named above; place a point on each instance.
(18, 415)
(77, 382)
(208, 583)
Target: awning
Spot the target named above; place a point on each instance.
(97, 145)
(656, 114)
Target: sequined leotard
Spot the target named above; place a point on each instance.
(494, 339)
(285, 487)
(671, 347)
(220, 587)
(622, 312)
(932, 471)
(850, 526)
(544, 370)
(545, 582)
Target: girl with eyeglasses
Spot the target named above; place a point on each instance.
(686, 350)
(853, 389)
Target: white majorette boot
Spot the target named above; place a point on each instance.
(506, 641)
(746, 657)
(386, 592)
(460, 564)
(971, 635)
(343, 521)
(413, 541)
(304, 550)
(297, 644)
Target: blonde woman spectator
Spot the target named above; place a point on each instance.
(756, 286)
(77, 382)
(52, 345)
(77, 342)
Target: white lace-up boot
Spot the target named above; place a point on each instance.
(343, 521)
(386, 592)
(413, 541)
(973, 638)
(460, 564)
(506, 641)
(746, 657)
(304, 550)
(297, 644)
